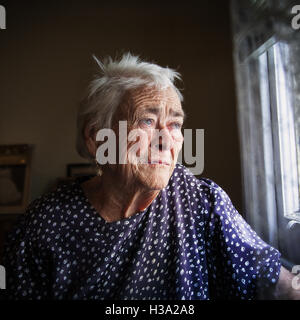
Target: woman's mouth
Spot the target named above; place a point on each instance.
(159, 162)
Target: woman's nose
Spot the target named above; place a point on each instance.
(162, 140)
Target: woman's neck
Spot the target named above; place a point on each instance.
(116, 200)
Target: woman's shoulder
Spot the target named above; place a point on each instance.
(49, 211)
(210, 195)
(205, 188)
(62, 194)
(203, 184)
(56, 202)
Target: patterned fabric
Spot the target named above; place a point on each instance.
(190, 243)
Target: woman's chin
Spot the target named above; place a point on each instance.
(155, 177)
(158, 185)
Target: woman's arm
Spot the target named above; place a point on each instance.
(284, 289)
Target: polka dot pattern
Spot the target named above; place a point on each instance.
(190, 243)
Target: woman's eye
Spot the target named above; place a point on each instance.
(176, 125)
(147, 122)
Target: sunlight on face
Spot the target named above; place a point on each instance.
(158, 116)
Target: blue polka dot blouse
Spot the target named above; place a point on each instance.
(190, 243)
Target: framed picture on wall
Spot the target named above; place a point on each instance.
(15, 173)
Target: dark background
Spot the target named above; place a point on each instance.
(46, 63)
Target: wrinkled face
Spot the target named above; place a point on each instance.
(156, 118)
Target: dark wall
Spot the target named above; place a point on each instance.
(45, 64)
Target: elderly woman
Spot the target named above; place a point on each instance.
(145, 228)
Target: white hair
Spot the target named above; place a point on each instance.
(106, 91)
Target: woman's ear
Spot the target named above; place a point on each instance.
(90, 140)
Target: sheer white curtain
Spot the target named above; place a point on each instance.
(267, 82)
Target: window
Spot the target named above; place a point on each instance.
(277, 95)
(266, 51)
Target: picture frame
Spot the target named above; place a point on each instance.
(75, 170)
(15, 178)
